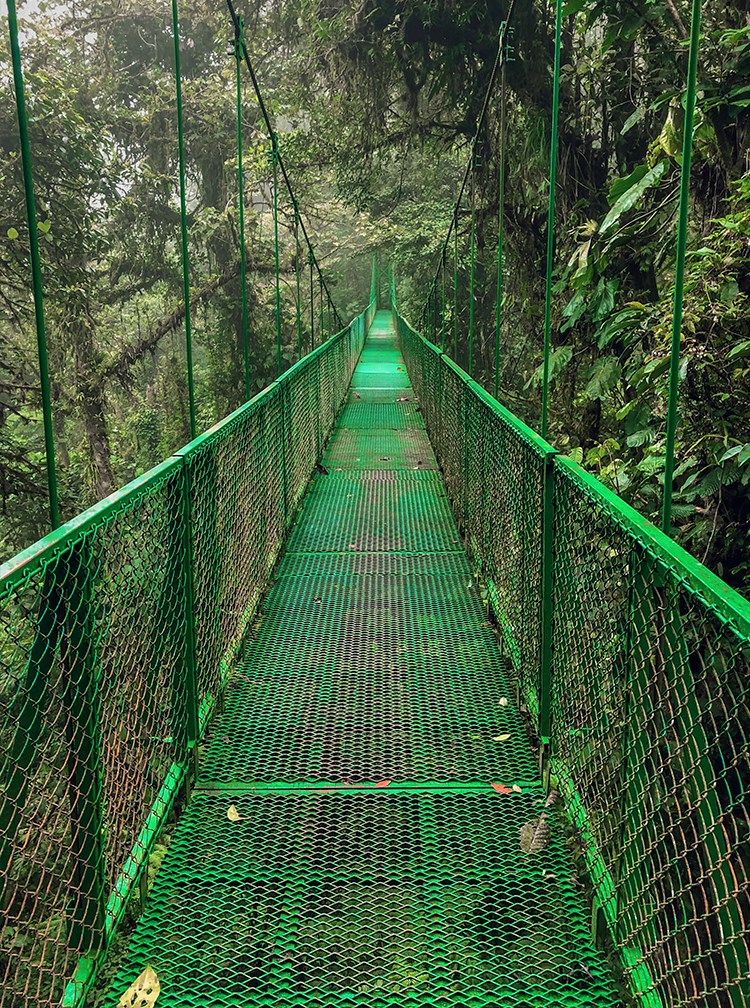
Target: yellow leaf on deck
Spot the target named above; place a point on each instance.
(232, 814)
(500, 738)
(143, 992)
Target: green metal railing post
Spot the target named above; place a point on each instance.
(82, 702)
(546, 612)
(36, 267)
(679, 280)
(238, 41)
(500, 225)
(553, 147)
(472, 267)
(183, 218)
(275, 162)
(188, 686)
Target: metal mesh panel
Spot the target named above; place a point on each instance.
(494, 477)
(103, 626)
(369, 899)
(651, 743)
(92, 724)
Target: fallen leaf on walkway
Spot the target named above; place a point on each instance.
(383, 783)
(500, 738)
(503, 701)
(232, 814)
(517, 789)
(501, 788)
(535, 834)
(356, 395)
(143, 992)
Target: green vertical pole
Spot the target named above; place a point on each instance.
(297, 272)
(323, 336)
(275, 161)
(183, 219)
(551, 215)
(455, 285)
(310, 262)
(472, 268)
(442, 302)
(679, 280)
(500, 230)
(238, 50)
(36, 267)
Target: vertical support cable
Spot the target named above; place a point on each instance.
(472, 266)
(500, 224)
(183, 219)
(275, 162)
(297, 272)
(310, 262)
(679, 279)
(239, 31)
(553, 145)
(442, 301)
(323, 336)
(455, 284)
(36, 268)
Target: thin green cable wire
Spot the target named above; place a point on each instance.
(36, 268)
(442, 303)
(500, 232)
(320, 305)
(472, 265)
(553, 148)
(238, 41)
(455, 284)
(183, 219)
(275, 160)
(310, 261)
(679, 280)
(297, 271)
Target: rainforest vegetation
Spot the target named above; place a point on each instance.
(375, 104)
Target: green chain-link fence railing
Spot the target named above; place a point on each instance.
(634, 663)
(119, 631)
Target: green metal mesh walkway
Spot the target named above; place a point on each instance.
(372, 861)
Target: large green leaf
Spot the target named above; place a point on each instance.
(603, 377)
(632, 195)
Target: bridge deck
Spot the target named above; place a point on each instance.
(371, 861)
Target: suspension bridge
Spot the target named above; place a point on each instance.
(368, 696)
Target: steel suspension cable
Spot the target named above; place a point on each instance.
(281, 166)
(553, 153)
(679, 280)
(500, 58)
(183, 219)
(36, 268)
(238, 39)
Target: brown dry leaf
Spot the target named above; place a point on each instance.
(143, 992)
(535, 834)
(232, 814)
(500, 738)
